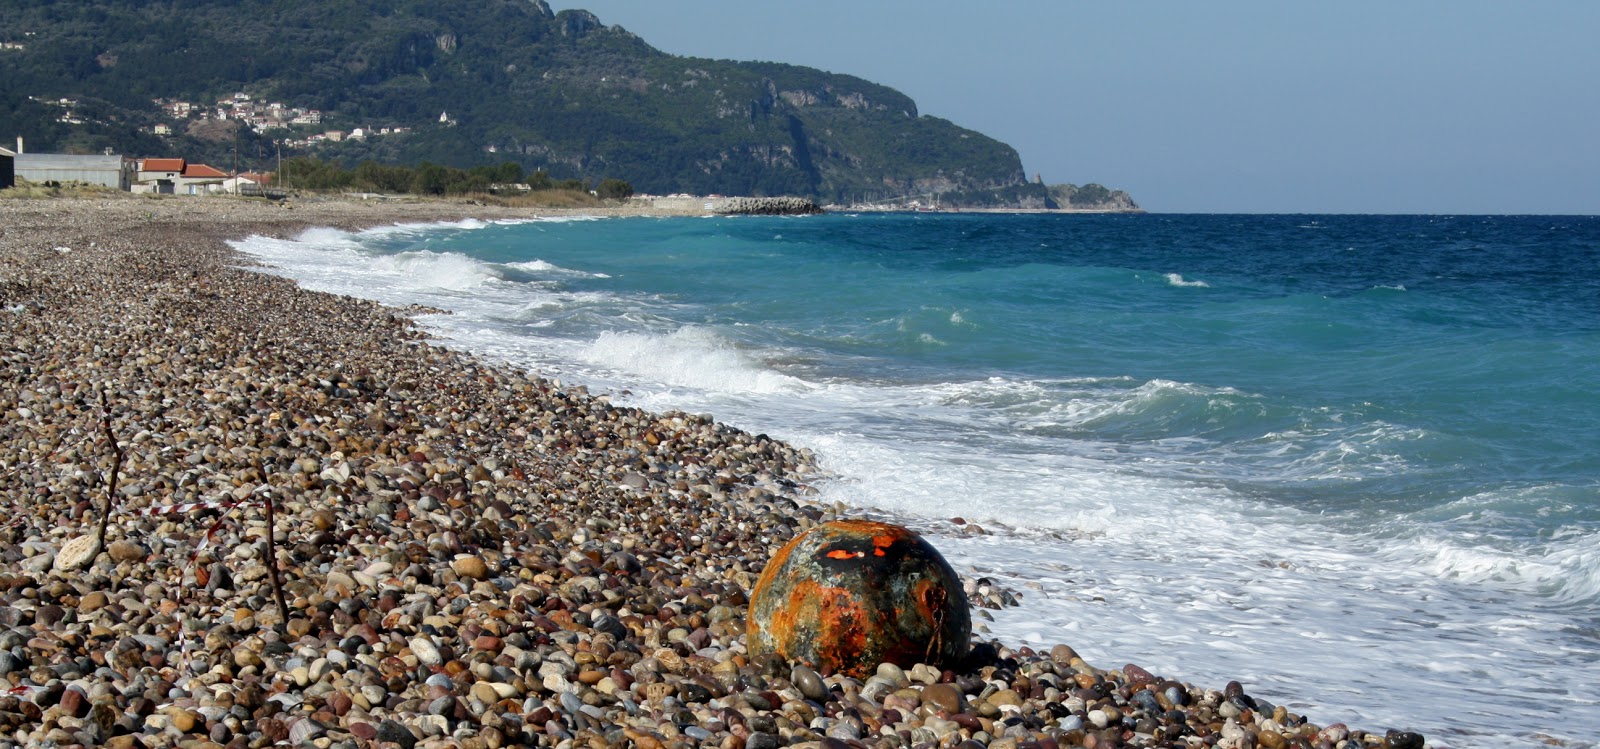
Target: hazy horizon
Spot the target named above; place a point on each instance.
(1239, 107)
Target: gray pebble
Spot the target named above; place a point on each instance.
(809, 684)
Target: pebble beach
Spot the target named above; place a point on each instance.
(466, 556)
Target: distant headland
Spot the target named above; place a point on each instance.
(485, 84)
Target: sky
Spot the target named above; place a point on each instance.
(1424, 106)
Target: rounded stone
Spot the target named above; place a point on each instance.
(427, 653)
(850, 594)
(94, 601)
(125, 551)
(470, 567)
(1006, 698)
(943, 697)
(809, 684)
(183, 720)
(76, 553)
(1402, 740)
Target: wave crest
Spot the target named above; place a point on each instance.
(689, 357)
(438, 270)
(1176, 279)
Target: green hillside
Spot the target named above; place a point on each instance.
(558, 92)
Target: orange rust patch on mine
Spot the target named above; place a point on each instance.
(802, 607)
(835, 614)
(843, 554)
(882, 542)
(769, 577)
(844, 625)
(776, 563)
(928, 596)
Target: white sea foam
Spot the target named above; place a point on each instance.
(439, 270)
(545, 268)
(1567, 571)
(536, 266)
(322, 236)
(419, 228)
(689, 357)
(1178, 280)
(565, 219)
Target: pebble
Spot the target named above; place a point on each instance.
(809, 684)
(426, 652)
(470, 555)
(1402, 740)
(125, 551)
(76, 554)
(470, 567)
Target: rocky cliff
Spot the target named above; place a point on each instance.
(471, 82)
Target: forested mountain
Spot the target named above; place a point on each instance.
(474, 82)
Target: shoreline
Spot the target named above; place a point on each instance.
(476, 575)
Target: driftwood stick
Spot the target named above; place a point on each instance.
(272, 560)
(116, 468)
(269, 494)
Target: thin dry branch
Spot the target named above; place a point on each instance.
(116, 468)
(269, 492)
(272, 559)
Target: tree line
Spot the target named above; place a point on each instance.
(427, 178)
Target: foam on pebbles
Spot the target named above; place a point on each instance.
(470, 556)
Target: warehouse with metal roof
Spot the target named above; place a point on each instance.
(111, 171)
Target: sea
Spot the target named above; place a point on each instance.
(1352, 462)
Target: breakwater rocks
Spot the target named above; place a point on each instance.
(470, 556)
(690, 205)
(763, 206)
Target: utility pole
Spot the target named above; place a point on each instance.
(236, 160)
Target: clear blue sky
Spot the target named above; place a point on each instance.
(1424, 106)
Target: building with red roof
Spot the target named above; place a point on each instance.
(161, 165)
(201, 171)
(178, 177)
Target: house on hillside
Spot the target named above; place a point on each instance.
(8, 169)
(109, 170)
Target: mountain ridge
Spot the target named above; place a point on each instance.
(475, 82)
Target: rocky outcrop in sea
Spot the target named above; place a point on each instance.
(764, 206)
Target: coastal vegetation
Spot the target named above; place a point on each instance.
(427, 178)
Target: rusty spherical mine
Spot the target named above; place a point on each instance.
(850, 594)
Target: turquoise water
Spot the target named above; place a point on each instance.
(1203, 442)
